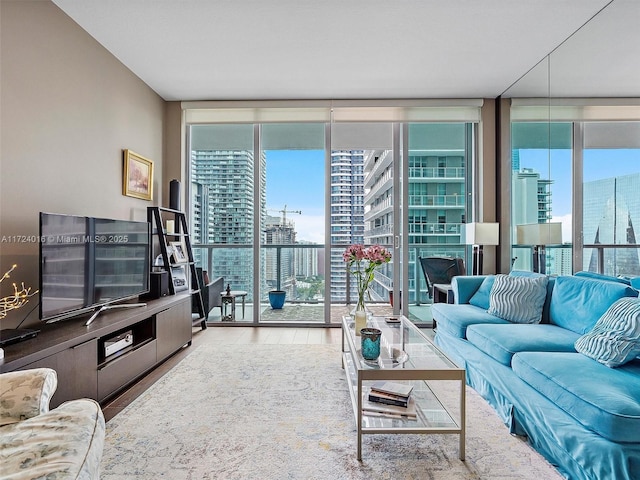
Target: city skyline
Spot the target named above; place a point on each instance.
(556, 164)
(295, 179)
(292, 182)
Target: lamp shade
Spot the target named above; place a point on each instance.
(539, 234)
(482, 233)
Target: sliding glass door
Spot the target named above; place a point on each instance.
(440, 156)
(611, 202)
(362, 209)
(222, 207)
(292, 225)
(274, 204)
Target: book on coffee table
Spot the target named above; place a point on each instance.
(393, 411)
(392, 388)
(388, 398)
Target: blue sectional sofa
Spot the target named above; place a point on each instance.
(583, 416)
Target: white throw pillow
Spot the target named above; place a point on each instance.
(615, 338)
(518, 299)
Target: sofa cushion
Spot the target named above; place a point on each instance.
(615, 338)
(480, 299)
(577, 302)
(501, 342)
(465, 286)
(603, 277)
(602, 399)
(454, 319)
(518, 299)
(63, 443)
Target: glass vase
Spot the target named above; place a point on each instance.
(360, 317)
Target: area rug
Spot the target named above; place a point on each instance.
(283, 412)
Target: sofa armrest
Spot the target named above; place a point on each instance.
(26, 393)
(464, 286)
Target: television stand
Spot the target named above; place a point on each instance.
(111, 307)
(13, 335)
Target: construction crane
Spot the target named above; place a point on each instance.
(284, 212)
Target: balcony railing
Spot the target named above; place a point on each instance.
(436, 172)
(436, 200)
(610, 259)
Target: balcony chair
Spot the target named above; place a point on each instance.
(210, 292)
(438, 272)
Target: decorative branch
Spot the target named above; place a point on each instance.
(19, 297)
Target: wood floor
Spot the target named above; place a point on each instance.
(228, 336)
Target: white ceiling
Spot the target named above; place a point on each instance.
(363, 49)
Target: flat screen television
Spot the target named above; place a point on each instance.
(87, 263)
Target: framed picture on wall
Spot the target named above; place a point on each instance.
(137, 179)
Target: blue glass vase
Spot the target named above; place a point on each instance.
(370, 343)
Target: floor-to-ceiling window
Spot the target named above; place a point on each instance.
(579, 175)
(292, 227)
(362, 208)
(309, 183)
(611, 201)
(541, 194)
(439, 157)
(222, 207)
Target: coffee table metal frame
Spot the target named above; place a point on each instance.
(426, 364)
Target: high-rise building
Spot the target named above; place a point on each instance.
(378, 214)
(612, 216)
(224, 210)
(438, 157)
(347, 214)
(532, 203)
(307, 260)
(279, 262)
(436, 209)
(531, 197)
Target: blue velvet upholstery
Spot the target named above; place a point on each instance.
(581, 415)
(577, 452)
(501, 342)
(577, 303)
(606, 403)
(454, 319)
(465, 286)
(603, 277)
(480, 299)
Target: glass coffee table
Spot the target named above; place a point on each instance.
(406, 356)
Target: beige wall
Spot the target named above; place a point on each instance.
(67, 110)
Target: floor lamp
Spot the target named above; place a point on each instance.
(539, 236)
(478, 235)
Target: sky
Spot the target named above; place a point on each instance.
(295, 178)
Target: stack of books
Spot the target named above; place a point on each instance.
(389, 399)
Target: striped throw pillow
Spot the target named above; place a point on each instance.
(518, 299)
(615, 338)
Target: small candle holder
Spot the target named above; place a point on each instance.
(370, 343)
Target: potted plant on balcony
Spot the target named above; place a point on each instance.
(277, 298)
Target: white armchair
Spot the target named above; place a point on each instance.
(35, 442)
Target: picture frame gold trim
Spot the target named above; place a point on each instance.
(137, 178)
